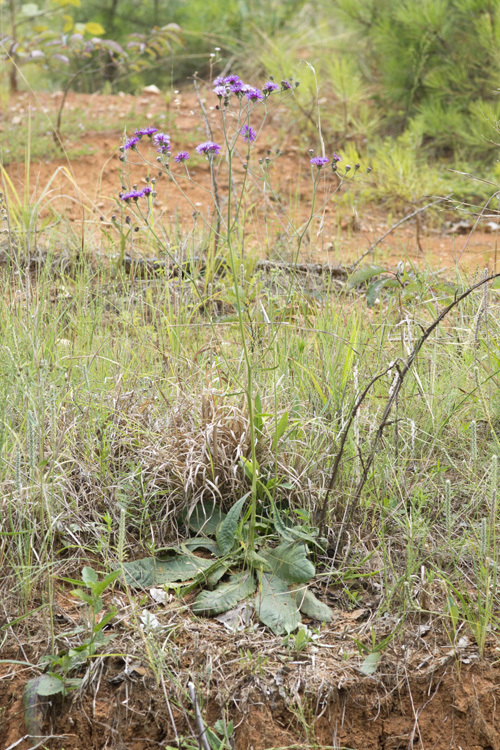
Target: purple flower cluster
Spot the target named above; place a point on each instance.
(254, 95)
(134, 195)
(162, 140)
(131, 142)
(319, 161)
(269, 87)
(336, 157)
(224, 86)
(134, 140)
(146, 131)
(248, 133)
(181, 157)
(208, 148)
(221, 91)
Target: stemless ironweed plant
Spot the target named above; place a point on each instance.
(237, 105)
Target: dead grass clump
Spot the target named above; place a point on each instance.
(199, 448)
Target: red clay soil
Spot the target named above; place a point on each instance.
(89, 185)
(446, 707)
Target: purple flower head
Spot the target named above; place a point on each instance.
(319, 161)
(286, 85)
(221, 91)
(232, 79)
(132, 195)
(162, 140)
(254, 95)
(131, 143)
(238, 87)
(146, 191)
(209, 147)
(248, 133)
(336, 157)
(269, 87)
(146, 131)
(219, 81)
(181, 156)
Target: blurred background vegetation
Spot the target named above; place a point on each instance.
(407, 85)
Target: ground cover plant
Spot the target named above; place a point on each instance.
(330, 439)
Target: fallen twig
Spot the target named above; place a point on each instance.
(396, 225)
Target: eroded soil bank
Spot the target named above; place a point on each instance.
(441, 704)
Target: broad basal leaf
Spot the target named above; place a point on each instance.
(206, 516)
(226, 532)
(311, 606)
(363, 274)
(49, 684)
(289, 562)
(215, 575)
(371, 663)
(200, 542)
(226, 596)
(150, 571)
(276, 606)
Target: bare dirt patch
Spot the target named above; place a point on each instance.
(85, 188)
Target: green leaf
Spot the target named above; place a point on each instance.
(215, 575)
(276, 606)
(371, 663)
(50, 684)
(280, 429)
(249, 467)
(151, 571)
(102, 623)
(363, 274)
(101, 586)
(289, 562)
(199, 542)
(225, 596)
(83, 596)
(373, 291)
(279, 526)
(226, 532)
(256, 561)
(89, 576)
(311, 606)
(205, 518)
